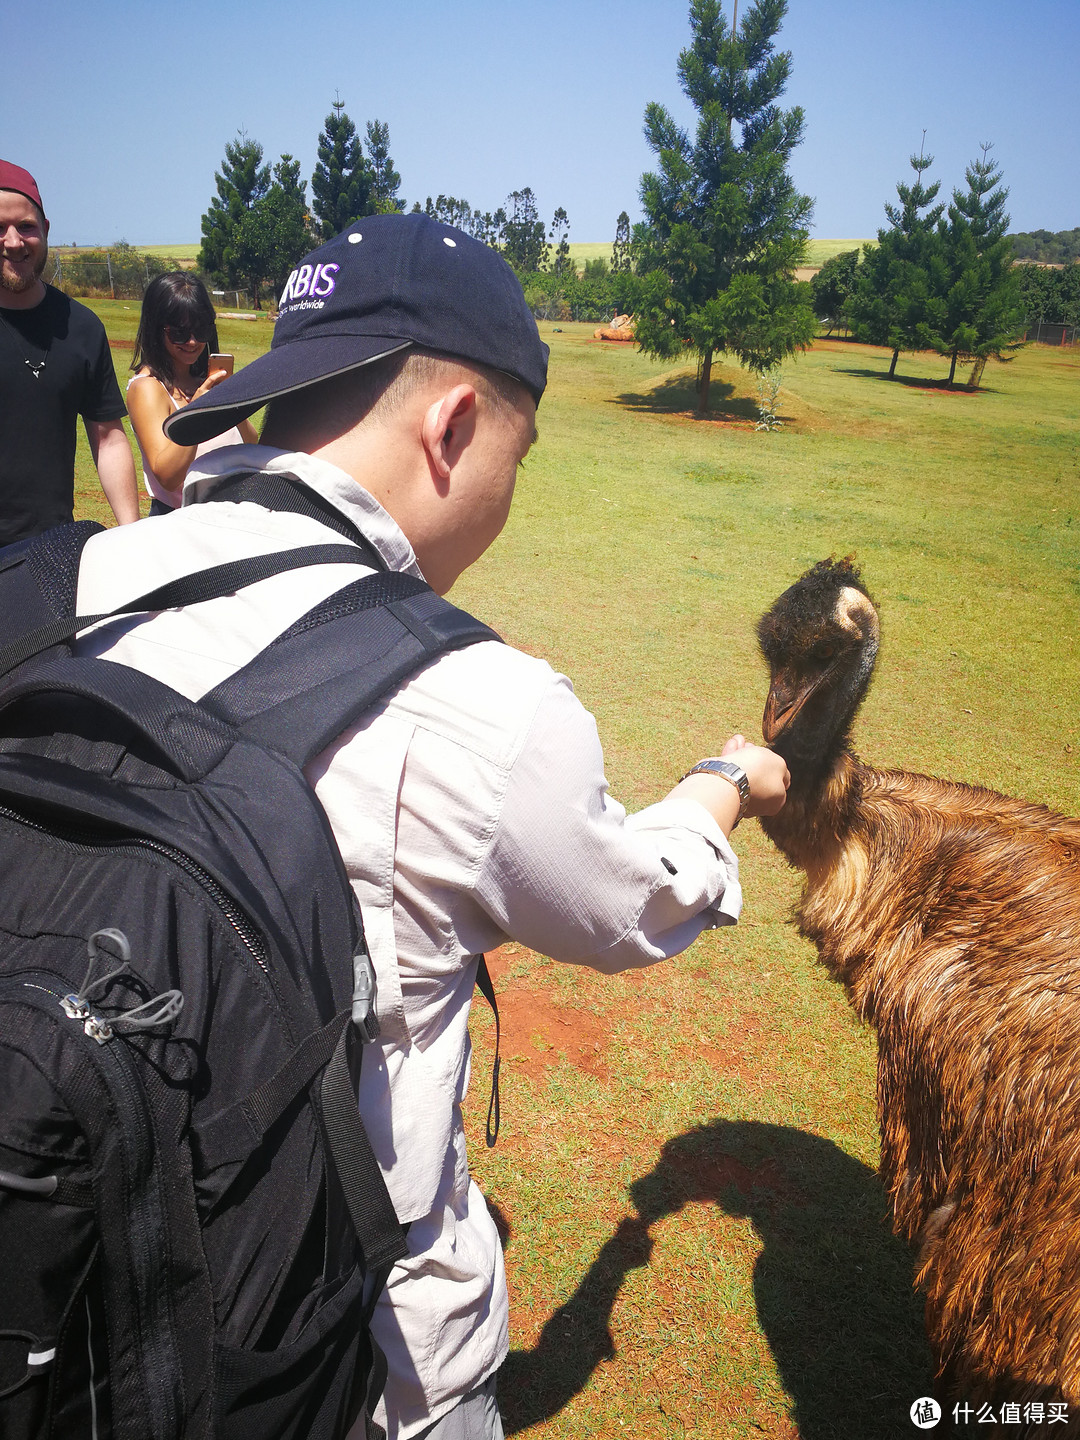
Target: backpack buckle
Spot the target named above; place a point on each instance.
(365, 996)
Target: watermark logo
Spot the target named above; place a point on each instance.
(925, 1413)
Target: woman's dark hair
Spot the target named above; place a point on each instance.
(177, 298)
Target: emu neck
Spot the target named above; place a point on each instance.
(820, 807)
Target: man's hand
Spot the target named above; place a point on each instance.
(766, 771)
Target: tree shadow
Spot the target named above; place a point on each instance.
(833, 1286)
(677, 395)
(914, 382)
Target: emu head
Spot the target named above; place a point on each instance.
(820, 640)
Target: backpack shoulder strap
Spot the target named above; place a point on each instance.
(338, 660)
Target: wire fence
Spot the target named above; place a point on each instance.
(123, 275)
(1043, 333)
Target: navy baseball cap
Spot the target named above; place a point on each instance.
(386, 283)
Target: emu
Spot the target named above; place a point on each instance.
(951, 914)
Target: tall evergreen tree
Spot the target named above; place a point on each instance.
(728, 226)
(385, 180)
(241, 183)
(898, 296)
(523, 240)
(341, 184)
(559, 236)
(983, 312)
(620, 250)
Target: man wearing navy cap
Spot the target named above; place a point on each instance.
(54, 365)
(471, 807)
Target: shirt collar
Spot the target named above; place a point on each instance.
(334, 485)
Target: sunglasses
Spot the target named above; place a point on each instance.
(181, 334)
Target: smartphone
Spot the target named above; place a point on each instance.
(220, 362)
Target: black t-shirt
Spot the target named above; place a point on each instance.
(38, 416)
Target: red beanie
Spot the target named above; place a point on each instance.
(14, 177)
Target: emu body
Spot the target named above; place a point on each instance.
(951, 914)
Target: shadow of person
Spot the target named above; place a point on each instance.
(832, 1284)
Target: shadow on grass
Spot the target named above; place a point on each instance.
(678, 396)
(832, 1285)
(915, 382)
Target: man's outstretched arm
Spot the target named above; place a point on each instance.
(111, 450)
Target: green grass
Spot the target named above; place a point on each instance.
(698, 1242)
(818, 251)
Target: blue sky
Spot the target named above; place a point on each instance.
(122, 109)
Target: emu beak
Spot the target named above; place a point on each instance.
(787, 696)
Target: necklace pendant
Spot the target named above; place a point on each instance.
(35, 370)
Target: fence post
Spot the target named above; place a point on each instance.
(108, 262)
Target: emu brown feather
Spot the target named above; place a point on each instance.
(952, 916)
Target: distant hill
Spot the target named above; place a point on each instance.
(1059, 247)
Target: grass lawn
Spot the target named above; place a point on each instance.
(697, 1243)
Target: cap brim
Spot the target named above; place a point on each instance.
(279, 372)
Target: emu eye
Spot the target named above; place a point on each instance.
(824, 652)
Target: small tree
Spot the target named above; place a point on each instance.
(728, 225)
(273, 235)
(341, 184)
(560, 238)
(241, 183)
(897, 299)
(621, 261)
(832, 286)
(523, 240)
(385, 180)
(983, 315)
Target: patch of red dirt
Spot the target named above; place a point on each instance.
(121, 344)
(537, 1031)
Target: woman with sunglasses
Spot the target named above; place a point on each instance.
(176, 337)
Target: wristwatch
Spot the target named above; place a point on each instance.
(731, 772)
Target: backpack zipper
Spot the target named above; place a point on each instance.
(156, 1338)
(85, 840)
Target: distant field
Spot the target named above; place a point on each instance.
(818, 251)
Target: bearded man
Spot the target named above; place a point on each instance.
(54, 365)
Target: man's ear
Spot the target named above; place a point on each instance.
(448, 427)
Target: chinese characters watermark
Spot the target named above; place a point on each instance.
(926, 1413)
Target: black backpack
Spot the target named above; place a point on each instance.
(184, 994)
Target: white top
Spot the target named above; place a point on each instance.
(492, 770)
(154, 486)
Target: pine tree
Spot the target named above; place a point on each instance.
(898, 296)
(241, 183)
(620, 250)
(559, 236)
(727, 224)
(385, 180)
(983, 314)
(341, 184)
(523, 241)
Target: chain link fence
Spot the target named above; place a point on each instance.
(123, 273)
(1041, 332)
